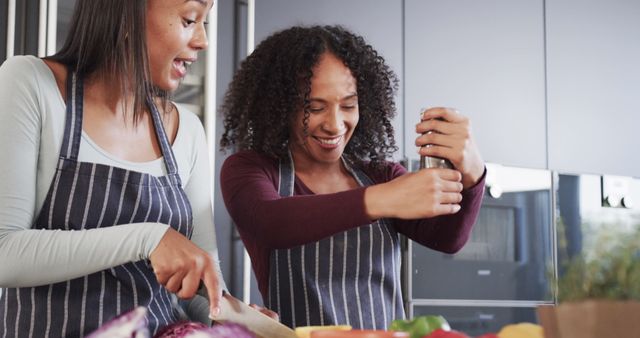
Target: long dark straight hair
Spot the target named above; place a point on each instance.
(109, 37)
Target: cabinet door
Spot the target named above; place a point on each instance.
(593, 48)
(4, 19)
(485, 58)
(378, 21)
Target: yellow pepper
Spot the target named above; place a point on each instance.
(521, 330)
(305, 331)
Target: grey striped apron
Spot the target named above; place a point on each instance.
(350, 278)
(86, 196)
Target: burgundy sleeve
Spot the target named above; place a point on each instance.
(249, 189)
(444, 233)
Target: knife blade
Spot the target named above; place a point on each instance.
(236, 311)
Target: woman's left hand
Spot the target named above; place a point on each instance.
(271, 314)
(451, 139)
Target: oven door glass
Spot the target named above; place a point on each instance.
(508, 254)
(594, 210)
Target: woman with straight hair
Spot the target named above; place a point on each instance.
(316, 201)
(104, 179)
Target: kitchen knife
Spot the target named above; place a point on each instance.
(236, 311)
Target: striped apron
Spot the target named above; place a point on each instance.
(349, 278)
(87, 196)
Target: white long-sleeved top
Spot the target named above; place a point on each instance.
(32, 117)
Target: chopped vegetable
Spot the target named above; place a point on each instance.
(521, 330)
(180, 329)
(420, 326)
(305, 331)
(440, 333)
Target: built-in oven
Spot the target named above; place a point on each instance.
(503, 271)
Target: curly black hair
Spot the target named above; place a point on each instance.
(273, 84)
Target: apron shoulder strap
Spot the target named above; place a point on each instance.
(73, 117)
(359, 175)
(167, 153)
(286, 176)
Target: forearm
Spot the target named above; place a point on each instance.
(39, 257)
(379, 200)
(292, 221)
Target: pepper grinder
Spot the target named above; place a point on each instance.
(432, 161)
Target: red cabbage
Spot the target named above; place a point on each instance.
(180, 329)
(130, 324)
(199, 330)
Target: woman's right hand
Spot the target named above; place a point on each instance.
(422, 194)
(180, 265)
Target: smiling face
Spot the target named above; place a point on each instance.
(333, 114)
(175, 33)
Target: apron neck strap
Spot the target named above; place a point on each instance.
(167, 153)
(286, 175)
(73, 119)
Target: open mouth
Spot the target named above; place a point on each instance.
(181, 66)
(327, 142)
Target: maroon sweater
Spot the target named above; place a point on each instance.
(266, 221)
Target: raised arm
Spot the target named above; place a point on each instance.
(448, 135)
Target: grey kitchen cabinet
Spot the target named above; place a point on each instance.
(3, 29)
(378, 21)
(486, 59)
(593, 48)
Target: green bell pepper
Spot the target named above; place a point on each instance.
(421, 326)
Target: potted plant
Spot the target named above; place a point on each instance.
(598, 293)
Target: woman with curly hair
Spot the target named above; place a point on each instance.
(316, 203)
